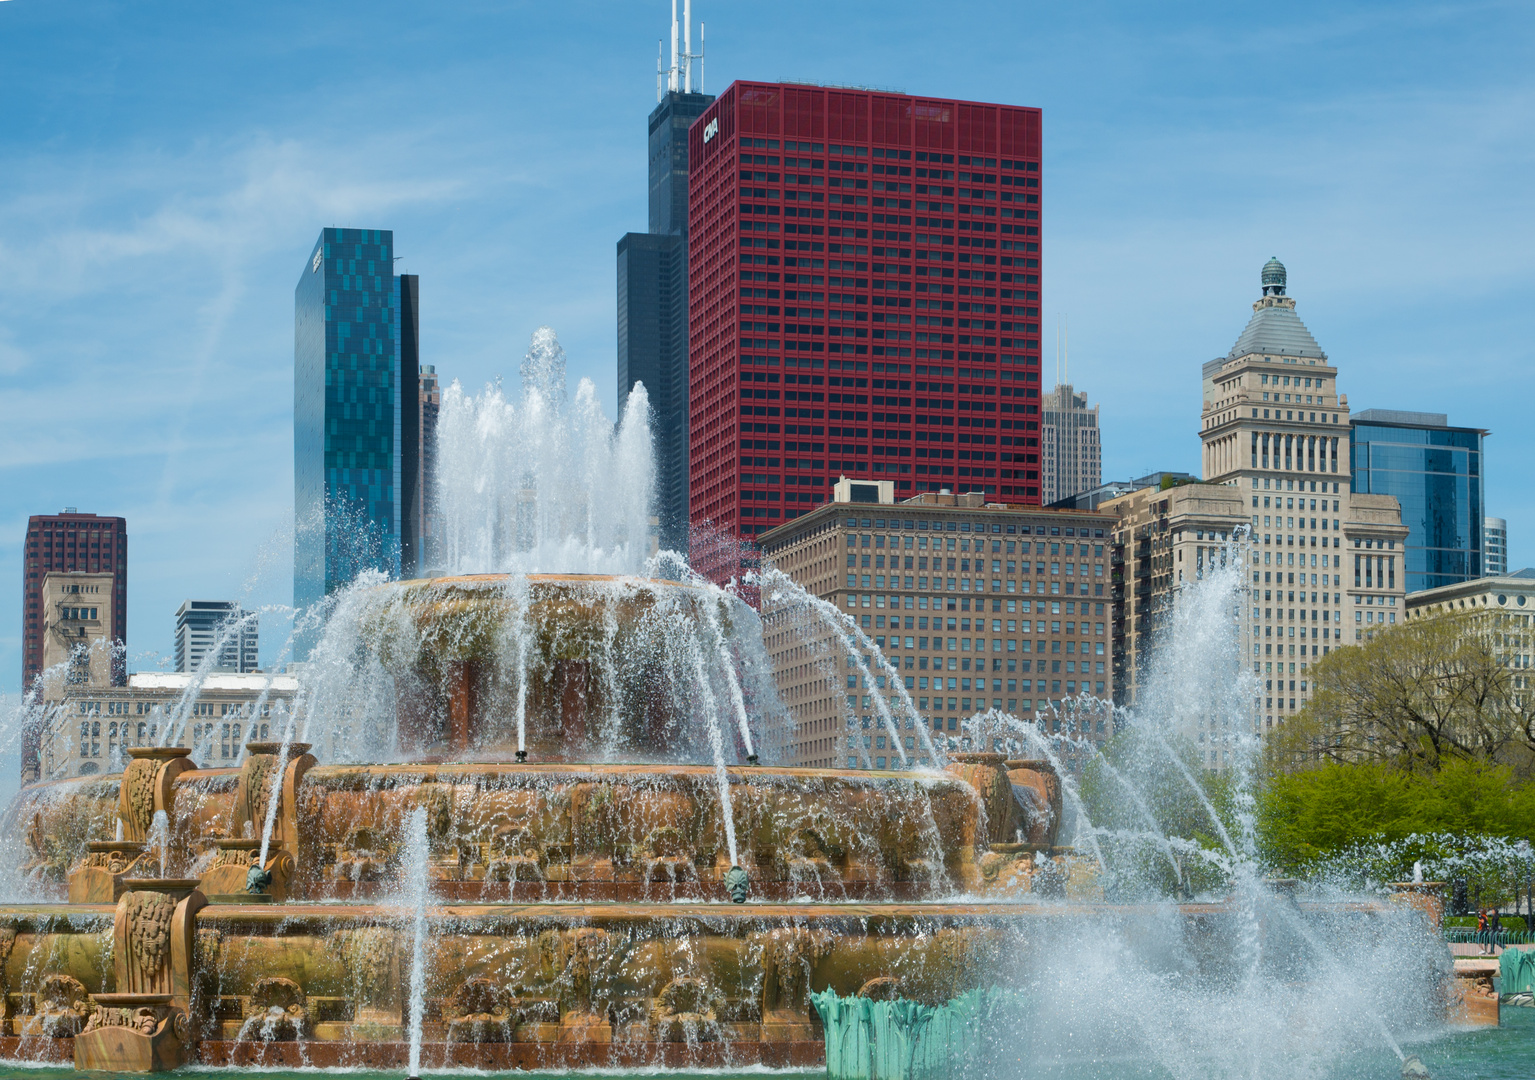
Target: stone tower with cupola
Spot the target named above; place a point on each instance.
(1326, 566)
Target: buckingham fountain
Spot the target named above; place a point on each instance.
(529, 818)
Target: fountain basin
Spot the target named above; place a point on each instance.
(602, 968)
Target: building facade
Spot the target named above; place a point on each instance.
(1163, 538)
(653, 306)
(1327, 561)
(355, 414)
(1504, 609)
(413, 477)
(978, 605)
(1070, 455)
(79, 611)
(1435, 472)
(1092, 498)
(1494, 546)
(431, 510)
(221, 628)
(90, 727)
(864, 299)
(67, 542)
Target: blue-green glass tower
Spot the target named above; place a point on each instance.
(1435, 472)
(355, 411)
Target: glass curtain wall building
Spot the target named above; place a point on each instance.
(1435, 472)
(350, 400)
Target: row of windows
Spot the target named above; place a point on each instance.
(142, 734)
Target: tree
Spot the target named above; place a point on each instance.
(1371, 821)
(1414, 696)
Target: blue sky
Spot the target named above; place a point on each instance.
(165, 167)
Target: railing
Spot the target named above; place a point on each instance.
(1469, 935)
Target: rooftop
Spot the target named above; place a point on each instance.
(1401, 416)
(1275, 329)
(223, 681)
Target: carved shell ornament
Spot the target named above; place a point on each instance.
(149, 928)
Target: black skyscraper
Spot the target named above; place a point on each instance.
(653, 307)
(412, 498)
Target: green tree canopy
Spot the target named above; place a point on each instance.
(1414, 696)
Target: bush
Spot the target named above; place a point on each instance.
(1306, 816)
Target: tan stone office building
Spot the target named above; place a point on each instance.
(78, 616)
(978, 606)
(1325, 563)
(91, 726)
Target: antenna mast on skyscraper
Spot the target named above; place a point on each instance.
(679, 76)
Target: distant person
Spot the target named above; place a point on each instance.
(1494, 928)
(1481, 929)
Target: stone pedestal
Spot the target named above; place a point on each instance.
(146, 1025)
(1473, 1001)
(134, 1033)
(148, 784)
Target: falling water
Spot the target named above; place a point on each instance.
(173, 730)
(418, 887)
(727, 665)
(275, 795)
(780, 588)
(159, 836)
(717, 743)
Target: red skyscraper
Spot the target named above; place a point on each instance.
(864, 299)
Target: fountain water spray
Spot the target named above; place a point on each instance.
(779, 588)
(159, 836)
(722, 650)
(415, 876)
(276, 792)
(530, 486)
(717, 743)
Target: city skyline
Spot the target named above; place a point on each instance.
(180, 274)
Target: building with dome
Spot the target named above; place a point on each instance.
(1326, 563)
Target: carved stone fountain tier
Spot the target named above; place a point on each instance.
(557, 939)
(446, 642)
(565, 985)
(598, 832)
